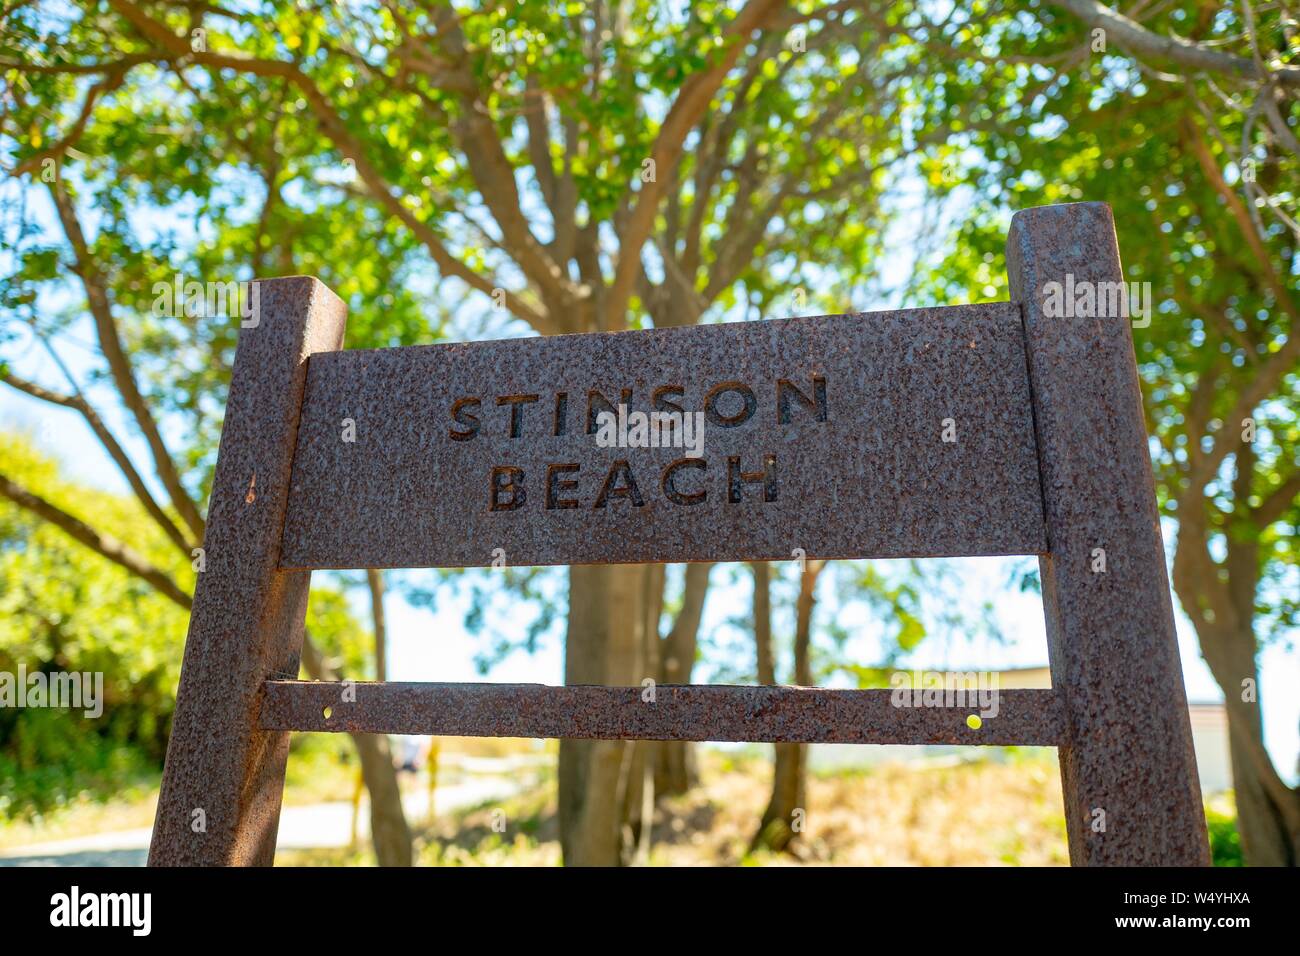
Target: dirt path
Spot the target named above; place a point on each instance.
(318, 826)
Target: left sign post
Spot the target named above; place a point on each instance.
(224, 777)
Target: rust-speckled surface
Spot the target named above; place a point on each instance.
(1050, 458)
(875, 478)
(696, 712)
(1111, 638)
(222, 783)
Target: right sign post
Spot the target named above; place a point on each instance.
(1128, 770)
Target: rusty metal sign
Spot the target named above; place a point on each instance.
(871, 435)
(986, 429)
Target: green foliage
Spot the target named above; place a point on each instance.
(222, 172)
(333, 626)
(1165, 153)
(1225, 841)
(64, 608)
(487, 617)
(358, 154)
(49, 758)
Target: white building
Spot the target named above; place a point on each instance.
(1209, 738)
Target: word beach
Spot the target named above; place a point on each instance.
(730, 404)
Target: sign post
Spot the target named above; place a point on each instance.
(1128, 772)
(224, 775)
(968, 430)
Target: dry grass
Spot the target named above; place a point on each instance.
(978, 814)
(131, 809)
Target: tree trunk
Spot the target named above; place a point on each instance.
(1268, 811)
(763, 622)
(605, 645)
(638, 810)
(803, 622)
(375, 579)
(783, 820)
(389, 832)
(1219, 597)
(1222, 609)
(675, 770)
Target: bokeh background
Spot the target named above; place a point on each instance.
(458, 172)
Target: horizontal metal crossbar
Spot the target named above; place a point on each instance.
(677, 712)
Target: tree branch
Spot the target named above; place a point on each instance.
(688, 107)
(114, 75)
(681, 638)
(1133, 37)
(1195, 573)
(1275, 506)
(494, 175)
(111, 445)
(77, 69)
(375, 582)
(1266, 377)
(118, 363)
(103, 544)
(333, 126)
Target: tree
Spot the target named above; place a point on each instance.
(1183, 118)
(1223, 388)
(70, 610)
(167, 368)
(675, 768)
(64, 610)
(780, 824)
(581, 168)
(607, 166)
